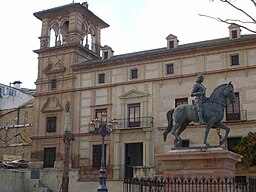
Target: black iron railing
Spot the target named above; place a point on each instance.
(196, 184)
(132, 123)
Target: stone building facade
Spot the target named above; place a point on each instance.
(135, 88)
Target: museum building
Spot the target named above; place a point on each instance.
(136, 89)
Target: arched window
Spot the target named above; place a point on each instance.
(84, 40)
(53, 35)
(91, 39)
(52, 38)
(64, 32)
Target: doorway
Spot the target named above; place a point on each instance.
(133, 157)
(49, 157)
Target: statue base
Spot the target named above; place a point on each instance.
(199, 162)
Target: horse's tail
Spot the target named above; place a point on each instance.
(170, 123)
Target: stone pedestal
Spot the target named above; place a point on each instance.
(199, 162)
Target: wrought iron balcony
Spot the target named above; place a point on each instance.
(133, 123)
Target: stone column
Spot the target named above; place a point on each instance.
(148, 147)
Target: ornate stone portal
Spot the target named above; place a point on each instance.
(199, 162)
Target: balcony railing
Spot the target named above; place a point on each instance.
(240, 115)
(140, 122)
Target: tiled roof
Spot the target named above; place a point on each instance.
(163, 51)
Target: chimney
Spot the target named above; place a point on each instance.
(85, 4)
(17, 84)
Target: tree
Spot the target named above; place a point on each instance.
(247, 148)
(243, 23)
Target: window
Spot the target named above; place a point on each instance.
(11, 92)
(232, 142)
(49, 156)
(98, 112)
(105, 54)
(169, 68)
(96, 155)
(51, 124)
(134, 115)
(134, 73)
(233, 110)
(234, 59)
(171, 44)
(101, 78)
(234, 34)
(181, 101)
(53, 84)
(1, 91)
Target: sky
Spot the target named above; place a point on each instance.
(135, 25)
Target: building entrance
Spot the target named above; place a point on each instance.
(133, 157)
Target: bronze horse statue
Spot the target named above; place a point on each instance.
(213, 110)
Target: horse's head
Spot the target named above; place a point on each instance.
(229, 92)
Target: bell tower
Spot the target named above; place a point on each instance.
(69, 34)
(70, 24)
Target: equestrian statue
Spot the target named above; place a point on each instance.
(206, 111)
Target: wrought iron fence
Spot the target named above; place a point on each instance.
(196, 184)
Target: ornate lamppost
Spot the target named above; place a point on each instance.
(68, 138)
(102, 127)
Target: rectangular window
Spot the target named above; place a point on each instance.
(51, 124)
(11, 92)
(234, 34)
(233, 110)
(49, 157)
(1, 92)
(234, 59)
(53, 84)
(171, 44)
(96, 155)
(134, 73)
(134, 115)
(181, 101)
(169, 68)
(105, 55)
(101, 78)
(232, 142)
(98, 112)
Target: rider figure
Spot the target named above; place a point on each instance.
(198, 92)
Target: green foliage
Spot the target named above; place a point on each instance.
(247, 148)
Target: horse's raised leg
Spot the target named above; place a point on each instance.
(226, 128)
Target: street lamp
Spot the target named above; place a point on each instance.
(102, 127)
(68, 138)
